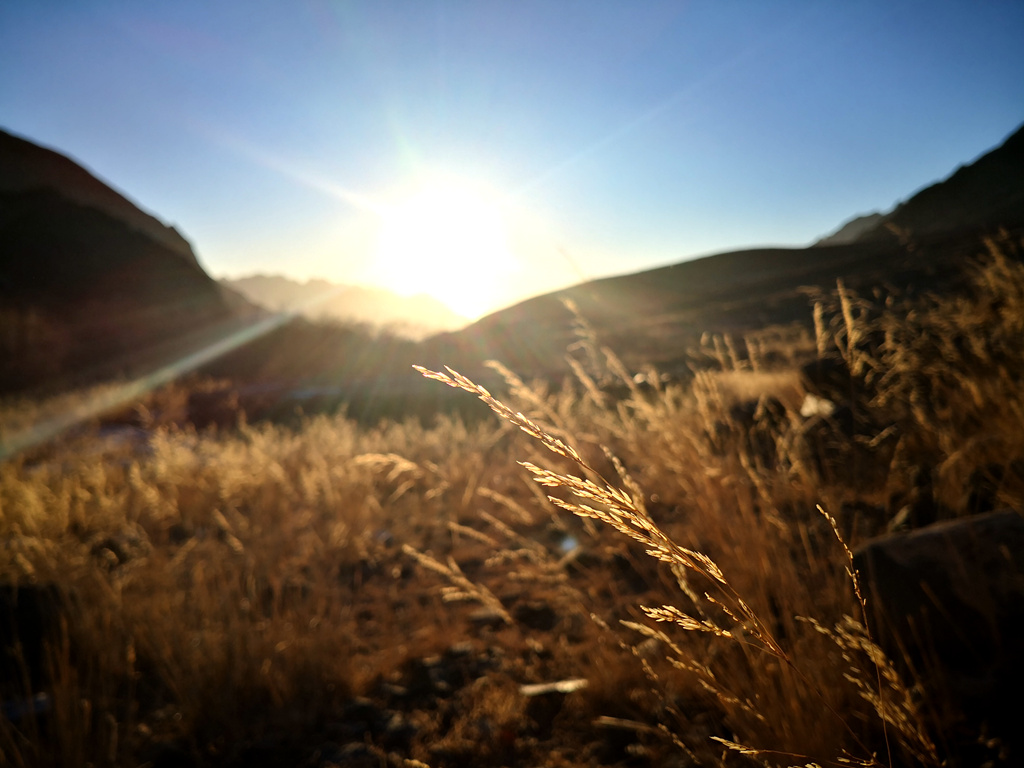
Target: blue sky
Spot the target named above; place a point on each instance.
(613, 136)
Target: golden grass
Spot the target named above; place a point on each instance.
(724, 614)
(409, 590)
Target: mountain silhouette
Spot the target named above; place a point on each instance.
(91, 286)
(27, 166)
(853, 229)
(656, 316)
(979, 197)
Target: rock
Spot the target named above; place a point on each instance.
(813, 405)
(952, 595)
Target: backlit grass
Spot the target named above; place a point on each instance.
(334, 593)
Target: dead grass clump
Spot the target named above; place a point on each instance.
(223, 590)
(758, 580)
(940, 377)
(770, 679)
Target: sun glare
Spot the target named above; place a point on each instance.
(449, 240)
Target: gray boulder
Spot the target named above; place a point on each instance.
(947, 601)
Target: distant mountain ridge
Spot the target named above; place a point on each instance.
(91, 286)
(982, 195)
(986, 193)
(853, 229)
(413, 316)
(655, 316)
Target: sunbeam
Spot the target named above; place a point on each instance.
(289, 168)
(123, 394)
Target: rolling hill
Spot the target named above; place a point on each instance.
(655, 316)
(91, 286)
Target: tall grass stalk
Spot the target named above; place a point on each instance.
(725, 614)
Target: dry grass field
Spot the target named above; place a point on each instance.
(654, 574)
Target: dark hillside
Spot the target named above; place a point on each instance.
(981, 196)
(27, 166)
(657, 315)
(90, 285)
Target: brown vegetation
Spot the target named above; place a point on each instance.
(648, 581)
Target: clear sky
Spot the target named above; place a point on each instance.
(485, 151)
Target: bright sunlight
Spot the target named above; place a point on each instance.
(448, 239)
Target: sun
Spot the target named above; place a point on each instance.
(448, 239)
